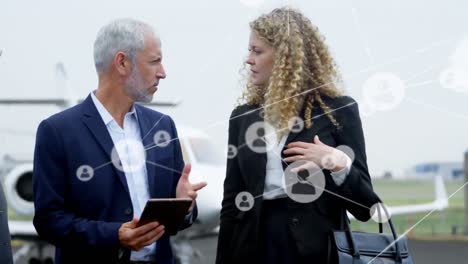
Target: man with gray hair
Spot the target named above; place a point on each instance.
(97, 163)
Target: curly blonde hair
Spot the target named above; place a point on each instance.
(303, 69)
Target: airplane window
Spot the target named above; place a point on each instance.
(206, 152)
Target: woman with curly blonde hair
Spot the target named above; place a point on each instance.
(293, 118)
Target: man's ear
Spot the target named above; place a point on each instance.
(122, 63)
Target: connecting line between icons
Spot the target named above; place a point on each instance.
(314, 88)
(436, 108)
(157, 122)
(414, 226)
(101, 166)
(401, 58)
(164, 167)
(421, 83)
(419, 51)
(303, 121)
(172, 170)
(243, 145)
(416, 75)
(249, 112)
(363, 39)
(323, 189)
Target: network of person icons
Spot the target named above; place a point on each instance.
(128, 155)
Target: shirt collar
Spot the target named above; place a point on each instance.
(105, 115)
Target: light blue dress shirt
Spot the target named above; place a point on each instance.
(137, 177)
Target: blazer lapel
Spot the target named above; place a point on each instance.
(147, 130)
(257, 160)
(94, 122)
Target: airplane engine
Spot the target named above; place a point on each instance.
(18, 188)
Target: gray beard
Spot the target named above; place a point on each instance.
(134, 88)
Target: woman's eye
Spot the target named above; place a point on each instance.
(255, 51)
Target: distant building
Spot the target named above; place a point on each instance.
(452, 171)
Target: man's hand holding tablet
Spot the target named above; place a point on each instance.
(139, 233)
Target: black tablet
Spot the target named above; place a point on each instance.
(169, 212)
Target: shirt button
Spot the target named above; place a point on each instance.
(128, 211)
(295, 221)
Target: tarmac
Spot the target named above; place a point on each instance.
(422, 251)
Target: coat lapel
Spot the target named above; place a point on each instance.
(94, 122)
(257, 161)
(147, 130)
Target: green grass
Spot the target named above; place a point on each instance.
(13, 216)
(400, 193)
(415, 192)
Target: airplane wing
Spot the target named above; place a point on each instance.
(23, 230)
(440, 203)
(165, 103)
(59, 102)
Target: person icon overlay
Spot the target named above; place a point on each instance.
(303, 186)
(85, 174)
(260, 141)
(244, 202)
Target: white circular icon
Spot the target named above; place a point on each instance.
(262, 113)
(348, 151)
(455, 79)
(337, 157)
(380, 213)
(244, 201)
(329, 162)
(261, 137)
(128, 155)
(232, 151)
(304, 181)
(85, 173)
(366, 110)
(383, 91)
(296, 124)
(162, 139)
(252, 3)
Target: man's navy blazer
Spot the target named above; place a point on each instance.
(82, 218)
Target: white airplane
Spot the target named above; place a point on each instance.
(208, 164)
(440, 203)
